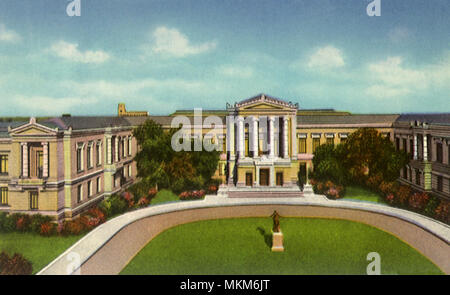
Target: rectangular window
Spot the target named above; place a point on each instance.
(411, 149)
(34, 200)
(397, 143)
(330, 140)
(98, 185)
(316, 144)
(405, 148)
(89, 188)
(3, 164)
(417, 177)
(302, 145)
(79, 193)
(439, 154)
(129, 146)
(440, 186)
(80, 158)
(429, 148)
(129, 170)
(4, 193)
(98, 153)
(89, 155)
(279, 178)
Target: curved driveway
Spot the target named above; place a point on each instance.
(108, 248)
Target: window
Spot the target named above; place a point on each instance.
(129, 145)
(316, 144)
(4, 193)
(417, 177)
(129, 171)
(330, 140)
(3, 164)
(89, 155)
(440, 184)
(98, 185)
(80, 157)
(89, 184)
(39, 164)
(34, 201)
(405, 172)
(79, 193)
(279, 178)
(405, 148)
(302, 144)
(343, 137)
(397, 143)
(429, 148)
(439, 157)
(411, 148)
(98, 152)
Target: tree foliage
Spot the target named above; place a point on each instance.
(365, 153)
(159, 165)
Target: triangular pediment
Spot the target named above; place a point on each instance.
(264, 102)
(32, 128)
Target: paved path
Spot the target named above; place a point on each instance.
(108, 248)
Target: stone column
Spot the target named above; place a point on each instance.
(255, 137)
(257, 176)
(425, 148)
(272, 176)
(415, 147)
(24, 159)
(45, 168)
(271, 136)
(241, 138)
(285, 137)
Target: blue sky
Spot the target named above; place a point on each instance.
(163, 55)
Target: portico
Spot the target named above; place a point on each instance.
(261, 148)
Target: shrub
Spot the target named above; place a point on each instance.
(402, 195)
(47, 229)
(418, 201)
(37, 220)
(212, 189)
(192, 195)
(113, 205)
(386, 188)
(374, 181)
(143, 202)
(430, 208)
(129, 198)
(16, 265)
(151, 193)
(7, 224)
(443, 211)
(96, 213)
(390, 198)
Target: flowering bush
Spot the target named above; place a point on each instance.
(96, 213)
(152, 193)
(192, 195)
(390, 198)
(418, 201)
(128, 198)
(402, 195)
(16, 265)
(143, 201)
(443, 211)
(387, 188)
(212, 189)
(47, 229)
(374, 181)
(334, 191)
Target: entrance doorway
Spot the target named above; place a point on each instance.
(264, 177)
(248, 179)
(279, 178)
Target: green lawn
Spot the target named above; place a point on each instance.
(362, 194)
(164, 196)
(242, 246)
(37, 249)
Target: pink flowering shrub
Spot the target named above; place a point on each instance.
(192, 195)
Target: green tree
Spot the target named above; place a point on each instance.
(367, 152)
(327, 164)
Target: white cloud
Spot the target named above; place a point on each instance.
(8, 35)
(236, 71)
(71, 52)
(45, 105)
(327, 57)
(393, 79)
(399, 34)
(172, 42)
